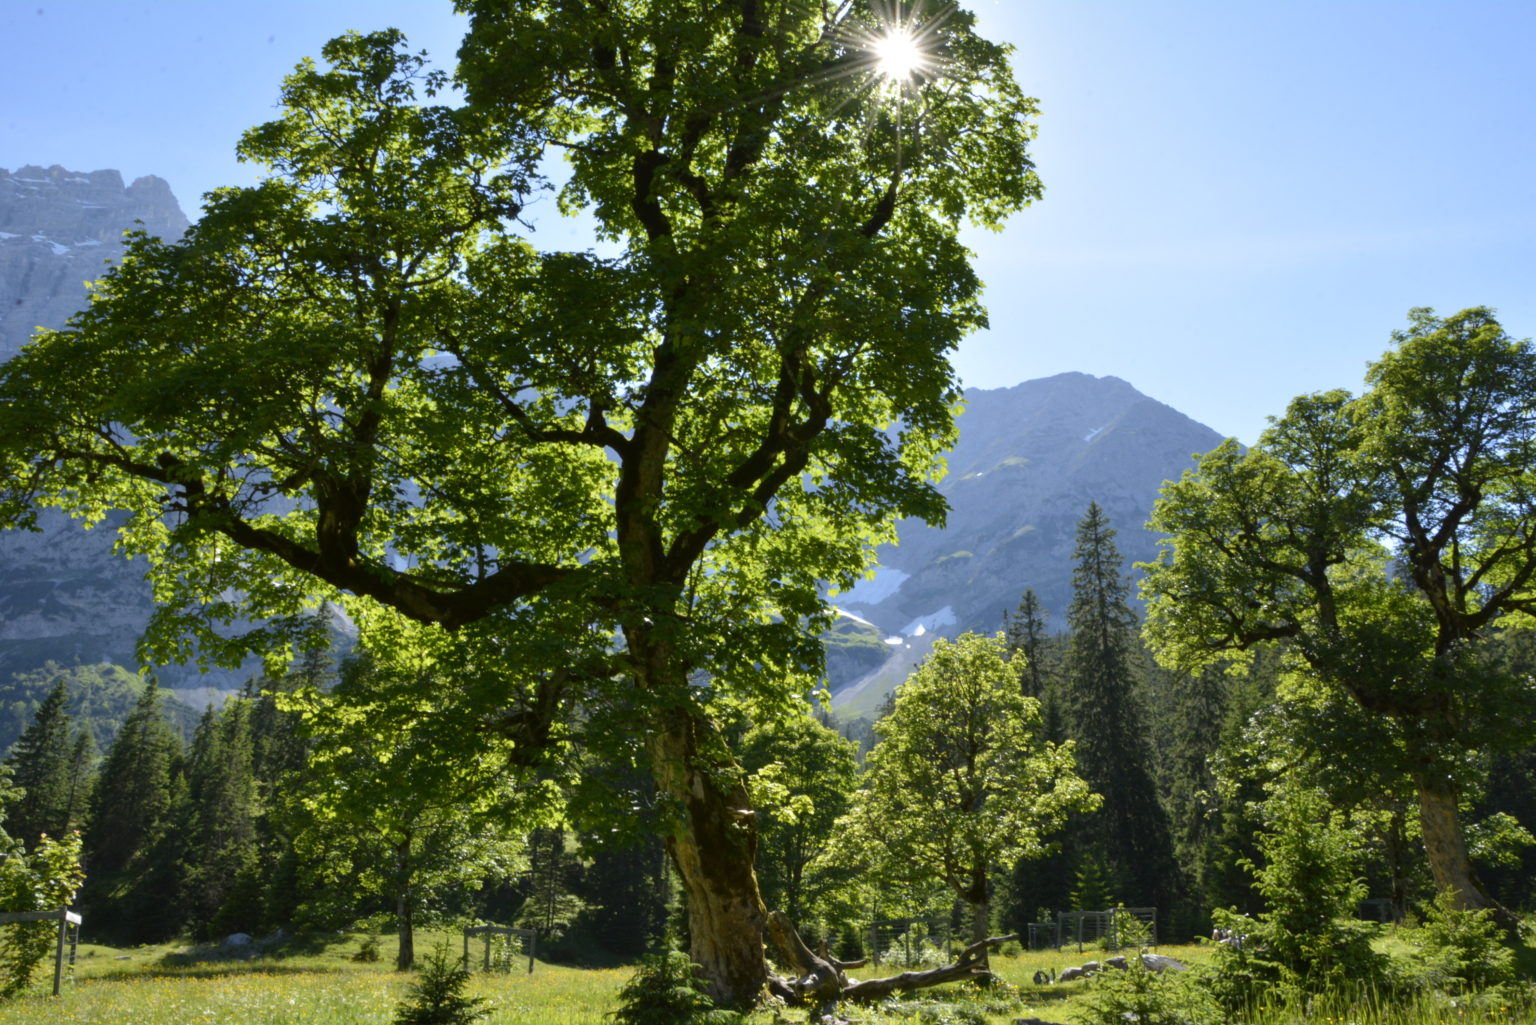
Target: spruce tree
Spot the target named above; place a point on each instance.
(131, 802)
(1105, 716)
(222, 831)
(1026, 633)
(82, 778)
(1193, 707)
(133, 854)
(41, 767)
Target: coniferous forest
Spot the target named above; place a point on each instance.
(587, 515)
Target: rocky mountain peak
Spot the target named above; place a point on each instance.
(57, 230)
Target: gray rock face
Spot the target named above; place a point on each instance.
(57, 230)
(63, 595)
(1028, 461)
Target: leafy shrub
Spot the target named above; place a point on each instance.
(1128, 930)
(437, 996)
(46, 881)
(1460, 951)
(665, 991)
(1140, 995)
(914, 950)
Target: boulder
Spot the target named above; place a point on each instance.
(1160, 963)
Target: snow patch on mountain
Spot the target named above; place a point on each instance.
(932, 621)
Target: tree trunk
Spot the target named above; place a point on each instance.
(1397, 859)
(405, 908)
(981, 915)
(713, 843)
(1446, 846)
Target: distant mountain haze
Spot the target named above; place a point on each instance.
(1029, 460)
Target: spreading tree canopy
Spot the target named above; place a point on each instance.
(1379, 537)
(360, 380)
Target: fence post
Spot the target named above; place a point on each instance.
(58, 957)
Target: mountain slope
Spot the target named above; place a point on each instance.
(1028, 461)
(65, 597)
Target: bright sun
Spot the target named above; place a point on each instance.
(897, 55)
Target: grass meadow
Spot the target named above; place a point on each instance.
(321, 985)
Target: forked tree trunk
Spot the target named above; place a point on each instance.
(713, 847)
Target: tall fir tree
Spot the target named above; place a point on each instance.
(132, 800)
(1027, 632)
(82, 778)
(1102, 675)
(42, 765)
(279, 751)
(131, 855)
(220, 889)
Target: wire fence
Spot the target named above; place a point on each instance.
(1109, 929)
(503, 947)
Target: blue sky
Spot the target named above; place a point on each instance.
(1242, 200)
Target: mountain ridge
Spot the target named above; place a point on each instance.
(1028, 460)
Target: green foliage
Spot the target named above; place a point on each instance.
(913, 949)
(934, 1012)
(803, 777)
(132, 894)
(132, 800)
(1103, 683)
(961, 781)
(359, 381)
(664, 990)
(551, 908)
(437, 997)
(399, 799)
(1307, 940)
(1144, 997)
(1127, 930)
(49, 767)
(368, 950)
(1378, 536)
(1460, 950)
(220, 826)
(1090, 885)
(98, 699)
(47, 880)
